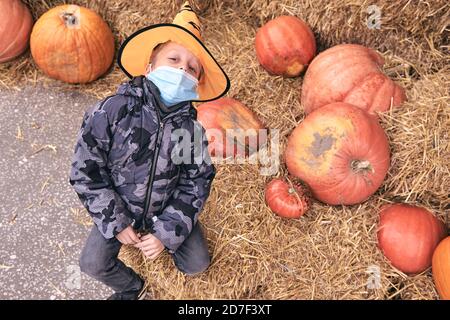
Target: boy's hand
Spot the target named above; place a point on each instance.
(150, 245)
(128, 236)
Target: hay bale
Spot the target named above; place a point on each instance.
(415, 30)
(420, 142)
(330, 252)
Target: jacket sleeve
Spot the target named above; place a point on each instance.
(89, 174)
(181, 213)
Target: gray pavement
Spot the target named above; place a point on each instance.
(42, 222)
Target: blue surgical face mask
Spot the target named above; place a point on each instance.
(174, 84)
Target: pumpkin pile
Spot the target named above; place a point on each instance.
(340, 151)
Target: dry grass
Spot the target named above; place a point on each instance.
(327, 253)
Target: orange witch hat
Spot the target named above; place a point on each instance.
(135, 51)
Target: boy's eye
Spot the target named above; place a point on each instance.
(173, 59)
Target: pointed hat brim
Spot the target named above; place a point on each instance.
(134, 56)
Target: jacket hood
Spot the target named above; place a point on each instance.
(145, 90)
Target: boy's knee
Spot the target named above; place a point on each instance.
(85, 264)
(195, 267)
(91, 266)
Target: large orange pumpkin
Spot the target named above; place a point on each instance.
(408, 235)
(232, 129)
(349, 73)
(15, 28)
(285, 200)
(441, 268)
(285, 46)
(341, 152)
(72, 44)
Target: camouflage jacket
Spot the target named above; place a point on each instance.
(122, 164)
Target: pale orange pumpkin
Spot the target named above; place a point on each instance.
(441, 268)
(352, 74)
(72, 44)
(15, 28)
(285, 46)
(408, 236)
(232, 129)
(341, 152)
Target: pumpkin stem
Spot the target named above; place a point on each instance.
(361, 166)
(292, 190)
(70, 19)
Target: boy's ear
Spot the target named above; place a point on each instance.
(149, 68)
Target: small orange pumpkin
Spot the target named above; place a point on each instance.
(441, 268)
(285, 46)
(285, 200)
(408, 236)
(232, 129)
(15, 28)
(72, 44)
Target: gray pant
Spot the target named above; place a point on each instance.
(99, 260)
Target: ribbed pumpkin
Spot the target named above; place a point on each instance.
(441, 268)
(285, 46)
(349, 73)
(72, 44)
(285, 200)
(15, 28)
(408, 235)
(232, 129)
(341, 152)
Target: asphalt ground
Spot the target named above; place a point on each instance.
(43, 224)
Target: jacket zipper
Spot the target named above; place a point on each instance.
(153, 167)
(152, 171)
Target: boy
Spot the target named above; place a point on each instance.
(123, 168)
